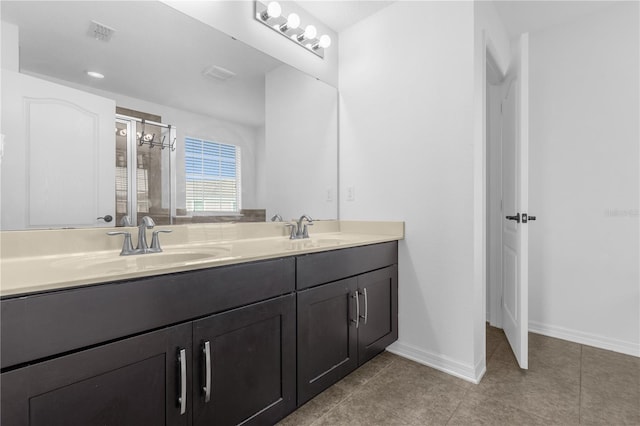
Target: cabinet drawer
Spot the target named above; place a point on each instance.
(319, 268)
(47, 324)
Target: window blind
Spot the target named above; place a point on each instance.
(212, 172)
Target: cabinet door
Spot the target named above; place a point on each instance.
(327, 336)
(251, 364)
(378, 293)
(135, 381)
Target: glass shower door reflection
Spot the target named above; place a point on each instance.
(145, 171)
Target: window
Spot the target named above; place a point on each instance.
(212, 172)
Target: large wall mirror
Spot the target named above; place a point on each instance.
(187, 124)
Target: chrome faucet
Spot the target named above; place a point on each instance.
(143, 247)
(276, 218)
(300, 230)
(147, 223)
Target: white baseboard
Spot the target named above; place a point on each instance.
(445, 364)
(589, 339)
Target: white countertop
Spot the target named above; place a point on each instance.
(34, 261)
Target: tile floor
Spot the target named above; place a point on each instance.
(566, 384)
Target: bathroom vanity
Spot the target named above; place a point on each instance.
(245, 342)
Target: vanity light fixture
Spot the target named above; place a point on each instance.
(288, 25)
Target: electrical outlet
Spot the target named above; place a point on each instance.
(351, 193)
(329, 194)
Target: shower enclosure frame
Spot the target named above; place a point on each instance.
(132, 158)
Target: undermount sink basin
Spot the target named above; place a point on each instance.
(139, 261)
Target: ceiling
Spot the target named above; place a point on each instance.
(521, 16)
(156, 54)
(339, 15)
(518, 16)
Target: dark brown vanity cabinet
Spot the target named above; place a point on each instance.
(327, 337)
(237, 367)
(378, 304)
(344, 323)
(161, 375)
(244, 364)
(132, 382)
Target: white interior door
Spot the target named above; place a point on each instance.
(515, 160)
(59, 163)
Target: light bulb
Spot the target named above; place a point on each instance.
(293, 21)
(273, 9)
(95, 74)
(325, 41)
(310, 32)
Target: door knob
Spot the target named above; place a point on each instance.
(107, 218)
(516, 217)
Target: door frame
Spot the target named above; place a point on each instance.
(494, 207)
(494, 290)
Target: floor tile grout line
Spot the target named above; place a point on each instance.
(349, 394)
(464, 396)
(580, 389)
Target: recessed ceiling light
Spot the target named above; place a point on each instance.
(95, 74)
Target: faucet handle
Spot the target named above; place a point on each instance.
(127, 246)
(155, 240)
(292, 236)
(305, 231)
(125, 221)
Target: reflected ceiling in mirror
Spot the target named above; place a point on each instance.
(153, 52)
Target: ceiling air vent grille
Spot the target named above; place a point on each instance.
(100, 31)
(217, 73)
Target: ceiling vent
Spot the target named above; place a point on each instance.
(100, 31)
(217, 73)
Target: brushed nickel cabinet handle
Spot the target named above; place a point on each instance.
(366, 306)
(182, 399)
(206, 350)
(356, 296)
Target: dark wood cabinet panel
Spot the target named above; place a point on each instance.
(252, 364)
(131, 382)
(327, 336)
(320, 268)
(47, 324)
(378, 292)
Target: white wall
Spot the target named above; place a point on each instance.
(236, 18)
(300, 145)
(584, 180)
(407, 150)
